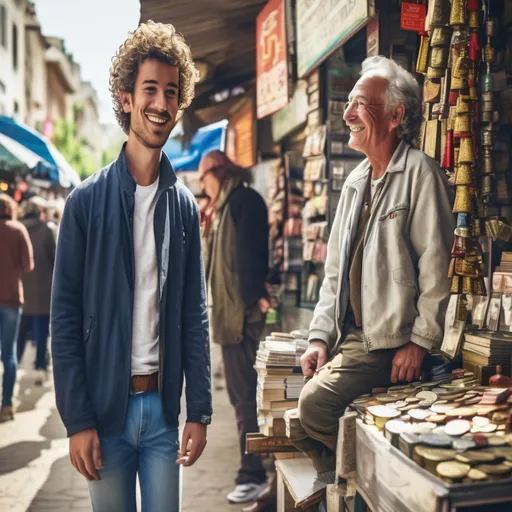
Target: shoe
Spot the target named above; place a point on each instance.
(244, 493)
(39, 377)
(6, 414)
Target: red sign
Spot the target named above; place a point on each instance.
(271, 59)
(413, 17)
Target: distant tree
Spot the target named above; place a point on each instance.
(74, 150)
(111, 152)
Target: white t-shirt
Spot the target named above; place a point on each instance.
(146, 301)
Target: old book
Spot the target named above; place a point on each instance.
(475, 358)
(301, 481)
(258, 443)
(274, 427)
(289, 455)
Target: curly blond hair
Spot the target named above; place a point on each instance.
(151, 41)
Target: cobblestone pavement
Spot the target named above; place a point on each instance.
(36, 475)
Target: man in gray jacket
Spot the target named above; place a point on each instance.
(386, 288)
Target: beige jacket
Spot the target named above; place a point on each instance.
(404, 286)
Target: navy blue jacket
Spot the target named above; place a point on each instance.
(92, 302)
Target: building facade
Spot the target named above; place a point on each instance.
(12, 52)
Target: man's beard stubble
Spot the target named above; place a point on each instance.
(140, 137)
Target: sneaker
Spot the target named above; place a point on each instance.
(244, 493)
(6, 414)
(39, 377)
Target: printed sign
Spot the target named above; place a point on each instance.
(323, 25)
(271, 59)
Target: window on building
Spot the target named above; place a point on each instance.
(3, 26)
(14, 46)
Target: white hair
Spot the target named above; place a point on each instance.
(403, 89)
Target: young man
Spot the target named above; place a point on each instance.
(129, 315)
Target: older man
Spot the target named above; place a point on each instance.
(383, 300)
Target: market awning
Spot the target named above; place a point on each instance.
(14, 157)
(206, 139)
(58, 170)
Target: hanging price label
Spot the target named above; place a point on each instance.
(413, 17)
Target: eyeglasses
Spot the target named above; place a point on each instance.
(360, 105)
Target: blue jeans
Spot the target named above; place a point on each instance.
(38, 326)
(9, 325)
(147, 447)
(40, 329)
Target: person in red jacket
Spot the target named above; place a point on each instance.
(16, 257)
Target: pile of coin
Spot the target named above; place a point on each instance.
(457, 430)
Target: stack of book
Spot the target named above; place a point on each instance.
(484, 350)
(292, 424)
(280, 379)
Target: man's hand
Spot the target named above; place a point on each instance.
(407, 363)
(85, 453)
(193, 443)
(314, 358)
(263, 305)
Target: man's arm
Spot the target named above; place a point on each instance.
(67, 323)
(323, 325)
(26, 250)
(431, 235)
(250, 216)
(195, 342)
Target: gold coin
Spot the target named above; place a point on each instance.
(381, 411)
(412, 399)
(453, 469)
(494, 469)
(477, 475)
(438, 454)
(437, 418)
(461, 411)
(496, 441)
(475, 456)
(500, 418)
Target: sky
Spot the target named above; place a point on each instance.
(92, 31)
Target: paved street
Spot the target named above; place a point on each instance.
(36, 475)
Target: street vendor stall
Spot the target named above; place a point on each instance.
(430, 446)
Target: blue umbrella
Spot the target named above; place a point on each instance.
(60, 170)
(31, 140)
(14, 157)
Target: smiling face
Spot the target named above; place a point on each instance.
(153, 104)
(369, 120)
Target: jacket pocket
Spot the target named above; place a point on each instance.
(394, 210)
(87, 329)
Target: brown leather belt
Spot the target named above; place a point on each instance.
(143, 383)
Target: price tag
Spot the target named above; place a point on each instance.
(413, 17)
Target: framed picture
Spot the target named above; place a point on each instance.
(506, 313)
(493, 313)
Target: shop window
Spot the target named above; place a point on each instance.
(14, 46)
(3, 26)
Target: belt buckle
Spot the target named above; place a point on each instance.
(136, 393)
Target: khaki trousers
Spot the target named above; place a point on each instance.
(350, 373)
